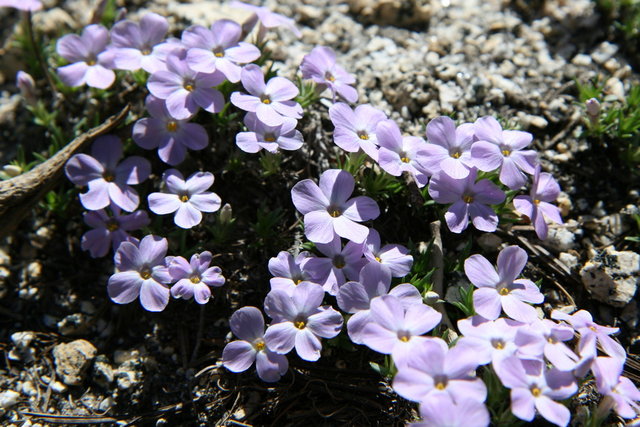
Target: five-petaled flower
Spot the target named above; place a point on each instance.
(195, 278)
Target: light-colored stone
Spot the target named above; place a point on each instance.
(8, 398)
(568, 259)
(612, 276)
(72, 360)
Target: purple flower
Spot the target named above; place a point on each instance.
(356, 297)
(356, 129)
(188, 199)
(110, 231)
(90, 62)
(271, 138)
(195, 278)
(591, 334)
(330, 272)
(450, 147)
(328, 210)
(441, 411)
(185, 90)
(394, 258)
(396, 330)
(497, 148)
(618, 391)
(271, 102)
(289, 271)
(172, 137)
(489, 340)
(398, 154)
(299, 321)
(141, 272)
(537, 204)
(218, 49)
(533, 387)
(107, 179)
(247, 324)
(469, 198)
(267, 18)
(433, 368)
(134, 44)
(26, 5)
(502, 290)
(546, 337)
(320, 66)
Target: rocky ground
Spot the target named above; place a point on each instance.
(71, 356)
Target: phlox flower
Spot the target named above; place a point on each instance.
(170, 136)
(355, 297)
(107, 178)
(496, 148)
(469, 198)
(141, 272)
(339, 264)
(328, 210)
(321, 67)
(502, 290)
(110, 231)
(440, 410)
(289, 271)
(489, 340)
(195, 278)
(90, 62)
(218, 48)
(271, 101)
(398, 154)
(185, 90)
(394, 258)
(618, 391)
(134, 44)
(397, 330)
(188, 199)
(299, 321)
(26, 5)
(537, 204)
(546, 337)
(270, 138)
(535, 388)
(433, 368)
(267, 19)
(449, 148)
(247, 324)
(355, 129)
(591, 334)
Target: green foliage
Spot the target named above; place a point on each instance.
(624, 15)
(379, 185)
(109, 13)
(270, 163)
(57, 201)
(465, 300)
(498, 400)
(386, 370)
(266, 227)
(308, 94)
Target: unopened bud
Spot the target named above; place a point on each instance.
(431, 298)
(27, 87)
(593, 108)
(226, 214)
(12, 170)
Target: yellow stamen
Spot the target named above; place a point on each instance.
(298, 281)
(145, 274)
(378, 259)
(498, 345)
(536, 201)
(195, 279)
(467, 199)
(506, 152)
(504, 291)
(108, 176)
(112, 225)
(146, 52)
(300, 324)
(219, 54)
(172, 126)
(404, 338)
(405, 159)
(335, 213)
(184, 198)
(552, 340)
(260, 345)
(266, 101)
(440, 385)
(363, 135)
(188, 87)
(269, 138)
(593, 328)
(456, 155)
(536, 391)
(91, 62)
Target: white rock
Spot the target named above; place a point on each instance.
(612, 276)
(8, 398)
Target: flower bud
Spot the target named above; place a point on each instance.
(593, 107)
(226, 214)
(27, 87)
(12, 170)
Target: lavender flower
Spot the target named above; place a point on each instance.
(134, 44)
(91, 63)
(299, 321)
(356, 129)
(535, 388)
(289, 271)
(449, 148)
(320, 66)
(330, 271)
(328, 210)
(185, 90)
(109, 231)
(440, 410)
(502, 149)
(107, 179)
(433, 368)
(271, 101)
(618, 391)
(546, 337)
(537, 204)
(267, 19)
(469, 198)
(172, 137)
(488, 340)
(141, 272)
(26, 5)
(398, 154)
(397, 330)
(502, 290)
(218, 49)
(247, 324)
(195, 278)
(591, 334)
(188, 199)
(271, 138)
(393, 258)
